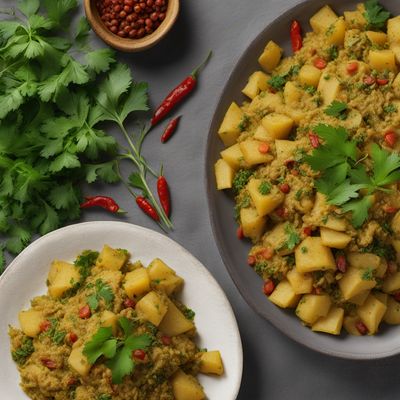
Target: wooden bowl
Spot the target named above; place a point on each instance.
(126, 44)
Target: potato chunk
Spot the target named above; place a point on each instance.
(292, 93)
(301, 284)
(335, 33)
(323, 19)
(316, 257)
(252, 154)
(110, 258)
(328, 88)
(174, 322)
(211, 363)
(278, 126)
(382, 60)
(285, 149)
(137, 282)
(78, 361)
(364, 260)
(30, 322)
(224, 174)
(264, 203)
(371, 313)
(62, 277)
(392, 314)
(350, 324)
(392, 283)
(313, 306)
(331, 323)
(309, 75)
(284, 295)
(360, 298)
(233, 156)
(253, 225)
(258, 81)
(109, 319)
(186, 387)
(229, 130)
(163, 277)
(354, 19)
(277, 238)
(152, 307)
(393, 30)
(335, 239)
(270, 57)
(377, 38)
(355, 281)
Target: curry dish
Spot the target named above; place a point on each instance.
(109, 329)
(312, 159)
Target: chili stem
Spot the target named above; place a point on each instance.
(196, 71)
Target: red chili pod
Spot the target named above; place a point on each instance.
(170, 129)
(164, 194)
(295, 36)
(147, 208)
(105, 202)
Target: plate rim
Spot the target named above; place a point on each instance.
(208, 184)
(228, 307)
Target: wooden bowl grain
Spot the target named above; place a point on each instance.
(126, 44)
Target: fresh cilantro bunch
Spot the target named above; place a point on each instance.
(343, 174)
(117, 352)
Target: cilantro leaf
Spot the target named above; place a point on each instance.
(94, 349)
(64, 197)
(51, 221)
(126, 326)
(21, 354)
(102, 291)
(100, 60)
(375, 15)
(82, 32)
(85, 262)
(58, 10)
(359, 209)
(293, 238)
(19, 237)
(106, 171)
(386, 167)
(28, 7)
(65, 160)
(344, 192)
(337, 109)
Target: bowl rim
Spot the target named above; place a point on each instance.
(126, 44)
(210, 189)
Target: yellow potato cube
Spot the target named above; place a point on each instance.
(323, 19)
(355, 19)
(211, 363)
(332, 323)
(261, 134)
(355, 281)
(62, 277)
(292, 94)
(253, 225)
(392, 283)
(382, 60)
(284, 296)
(382, 297)
(277, 238)
(137, 282)
(328, 88)
(264, 203)
(186, 387)
(233, 156)
(285, 149)
(395, 224)
(350, 324)
(152, 307)
(301, 283)
(109, 319)
(30, 322)
(251, 153)
(309, 75)
(174, 322)
(157, 269)
(278, 126)
(393, 30)
(271, 56)
(377, 38)
(224, 174)
(334, 223)
(335, 33)
(267, 102)
(168, 285)
(313, 306)
(229, 130)
(364, 260)
(360, 298)
(317, 257)
(258, 81)
(78, 361)
(111, 278)
(334, 239)
(113, 259)
(392, 314)
(371, 313)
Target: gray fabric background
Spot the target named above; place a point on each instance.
(275, 368)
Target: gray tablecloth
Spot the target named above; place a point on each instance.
(275, 367)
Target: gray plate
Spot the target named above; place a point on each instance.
(234, 252)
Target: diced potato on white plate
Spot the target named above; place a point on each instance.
(392, 314)
(186, 387)
(110, 258)
(152, 307)
(392, 283)
(30, 322)
(371, 313)
(211, 363)
(137, 283)
(62, 277)
(174, 322)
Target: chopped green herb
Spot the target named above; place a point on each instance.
(21, 354)
(367, 274)
(333, 53)
(389, 109)
(279, 81)
(53, 333)
(310, 90)
(304, 250)
(241, 179)
(85, 262)
(244, 123)
(189, 314)
(299, 194)
(264, 188)
(337, 109)
(375, 15)
(292, 239)
(102, 291)
(104, 397)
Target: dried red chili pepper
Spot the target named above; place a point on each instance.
(105, 202)
(178, 94)
(163, 194)
(170, 129)
(50, 364)
(147, 208)
(295, 36)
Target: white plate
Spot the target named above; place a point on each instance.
(216, 324)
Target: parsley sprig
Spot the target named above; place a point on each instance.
(343, 174)
(116, 351)
(102, 291)
(375, 15)
(337, 109)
